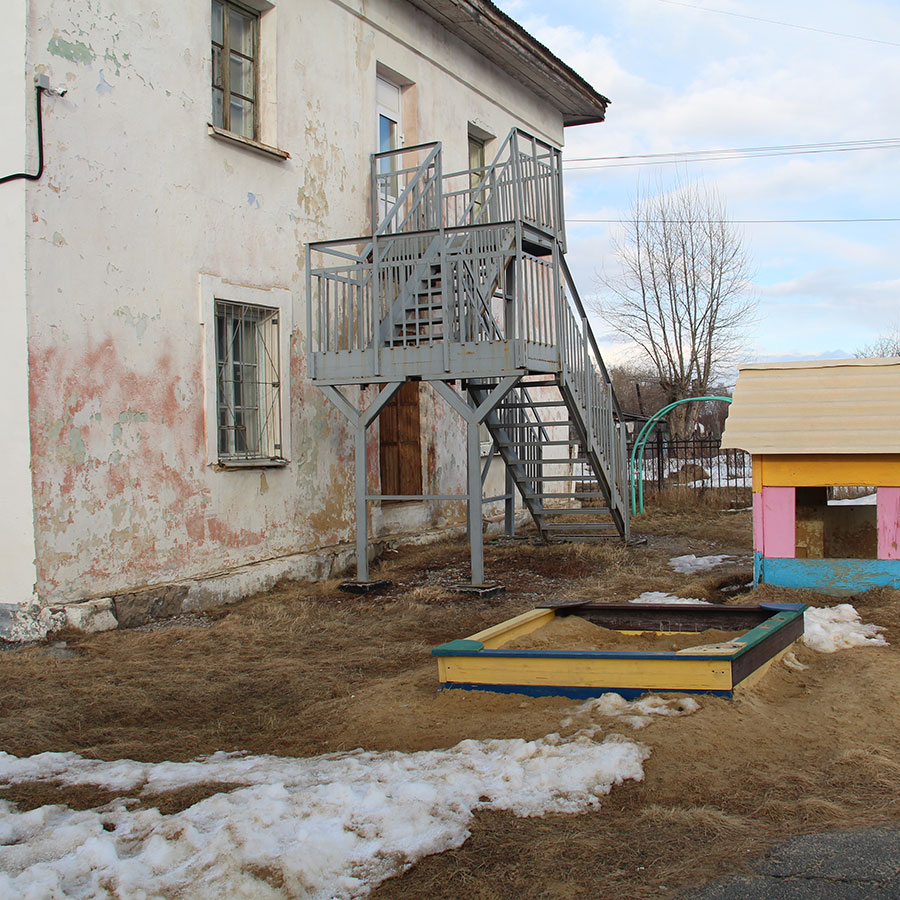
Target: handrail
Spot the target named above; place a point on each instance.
(482, 186)
(576, 298)
(380, 224)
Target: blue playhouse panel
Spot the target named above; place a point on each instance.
(838, 577)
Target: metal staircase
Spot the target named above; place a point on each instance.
(543, 443)
(463, 281)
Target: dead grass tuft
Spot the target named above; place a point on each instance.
(305, 669)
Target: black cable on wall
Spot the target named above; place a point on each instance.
(28, 176)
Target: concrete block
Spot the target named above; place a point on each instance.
(92, 615)
(141, 607)
(29, 622)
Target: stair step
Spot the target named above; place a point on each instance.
(550, 461)
(584, 527)
(581, 479)
(418, 307)
(536, 443)
(487, 385)
(534, 405)
(507, 425)
(574, 495)
(414, 328)
(590, 511)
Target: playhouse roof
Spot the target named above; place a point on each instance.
(834, 406)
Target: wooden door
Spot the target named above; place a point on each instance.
(401, 442)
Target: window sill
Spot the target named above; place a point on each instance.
(234, 464)
(230, 137)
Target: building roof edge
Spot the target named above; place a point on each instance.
(497, 36)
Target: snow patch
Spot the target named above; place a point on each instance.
(688, 565)
(867, 500)
(791, 661)
(330, 826)
(635, 713)
(838, 628)
(660, 597)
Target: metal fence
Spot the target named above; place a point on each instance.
(699, 465)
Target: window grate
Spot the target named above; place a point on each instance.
(248, 382)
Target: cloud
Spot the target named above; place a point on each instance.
(683, 79)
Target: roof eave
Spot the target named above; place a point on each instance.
(488, 30)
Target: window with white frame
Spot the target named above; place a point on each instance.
(247, 340)
(235, 68)
(387, 96)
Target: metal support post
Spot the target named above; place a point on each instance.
(360, 419)
(476, 536)
(509, 511)
(473, 416)
(362, 509)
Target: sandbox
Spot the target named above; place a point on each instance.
(746, 641)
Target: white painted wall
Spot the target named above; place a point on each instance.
(17, 154)
(137, 202)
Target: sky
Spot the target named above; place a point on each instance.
(685, 78)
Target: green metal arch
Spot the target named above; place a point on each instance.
(637, 462)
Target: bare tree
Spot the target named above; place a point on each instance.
(887, 344)
(637, 389)
(682, 292)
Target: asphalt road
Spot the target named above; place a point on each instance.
(842, 865)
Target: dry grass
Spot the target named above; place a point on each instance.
(305, 669)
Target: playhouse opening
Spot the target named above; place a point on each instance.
(836, 522)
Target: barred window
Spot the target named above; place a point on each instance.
(248, 382)
(235, 68)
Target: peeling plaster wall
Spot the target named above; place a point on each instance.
(137, 201)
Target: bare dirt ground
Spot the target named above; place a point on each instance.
(303, 670)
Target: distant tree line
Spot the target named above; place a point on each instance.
(887, 344)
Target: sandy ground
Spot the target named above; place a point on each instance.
(303, 670)
(575, 633)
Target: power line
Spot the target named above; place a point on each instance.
(690, 156)
(729, 221)
(725, 12)
(825, 144)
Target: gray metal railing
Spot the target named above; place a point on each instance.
(406, 189)
(359, 288)
(584, 374)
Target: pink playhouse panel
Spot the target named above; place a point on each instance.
(779, 509)
(889, 523)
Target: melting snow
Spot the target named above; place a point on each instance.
(689, 564)
(660, 597)
(867, 500)
(325, 827)
(636, 713)
(791, 661)
(838, 628)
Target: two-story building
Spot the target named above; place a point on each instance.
(170, 439)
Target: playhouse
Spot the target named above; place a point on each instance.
(825, 442)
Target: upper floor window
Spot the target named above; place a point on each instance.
(235, 68)
(387, 96)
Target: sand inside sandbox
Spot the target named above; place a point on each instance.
(575, 633)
